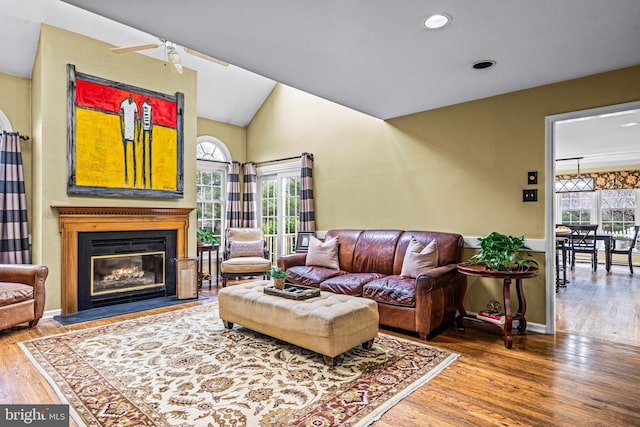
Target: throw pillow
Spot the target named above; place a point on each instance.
(419, 259)
(239, 248)
(323, 254)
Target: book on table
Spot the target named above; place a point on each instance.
(491, 316)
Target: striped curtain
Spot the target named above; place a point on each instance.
(249, 205)
(14, 229)
(233, 196)
(307, 212)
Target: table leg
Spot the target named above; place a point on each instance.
(217, 266)
(506, 329)
(210, 271)
(522, 307)
(461, 311)
(607, 254)
(200, 273)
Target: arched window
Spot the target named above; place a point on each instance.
(213, 158)
(5, 125)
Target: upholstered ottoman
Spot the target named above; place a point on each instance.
(329, 324)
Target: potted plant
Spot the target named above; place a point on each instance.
(279, 276)
(504, 253)
(206, 236)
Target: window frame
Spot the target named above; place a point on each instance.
(5, 124)
(596, 208)
(214, 165)
(278, 173)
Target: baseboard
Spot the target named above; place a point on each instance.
(538, 328)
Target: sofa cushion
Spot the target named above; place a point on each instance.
(375, 252)
(310, 275)
(251, 248)
(394, 290)
(348, 284)
(11, 293)
(323, 254)
(419, 259)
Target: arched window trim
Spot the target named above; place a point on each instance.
(208, 139)
(220, 167)
(5, 124)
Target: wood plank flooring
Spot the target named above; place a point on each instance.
(561, 380)
(603, 305)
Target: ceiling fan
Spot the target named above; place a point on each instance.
(173, 57)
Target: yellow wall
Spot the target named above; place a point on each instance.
(56, 49)
(460, 168)
(15, 94)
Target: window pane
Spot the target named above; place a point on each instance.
(618, 210)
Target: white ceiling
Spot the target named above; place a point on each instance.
(371, 55)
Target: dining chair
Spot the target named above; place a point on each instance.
(626, 251)
(563, 252)
(583, 240)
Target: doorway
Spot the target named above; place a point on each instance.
(599, 147)
(279, 211)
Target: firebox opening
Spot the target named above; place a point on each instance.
(114, 273)
(125, 266)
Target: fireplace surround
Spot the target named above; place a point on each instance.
(74, 220)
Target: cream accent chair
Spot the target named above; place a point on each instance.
(245, 254)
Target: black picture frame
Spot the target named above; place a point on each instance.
(132, 187)
(302, 240)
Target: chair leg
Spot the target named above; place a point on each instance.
(631, 262)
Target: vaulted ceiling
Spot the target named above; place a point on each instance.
(374, 56)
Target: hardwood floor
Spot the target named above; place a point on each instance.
(600, 305)
(561, 380)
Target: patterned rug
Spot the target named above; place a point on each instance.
(183, 368)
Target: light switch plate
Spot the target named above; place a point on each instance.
(529, 195)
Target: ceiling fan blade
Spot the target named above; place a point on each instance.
(135, 48)
(205, 56)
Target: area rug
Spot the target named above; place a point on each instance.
(183, 368)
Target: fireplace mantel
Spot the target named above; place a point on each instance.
(78, 219)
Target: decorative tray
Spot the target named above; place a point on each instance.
(293, 291)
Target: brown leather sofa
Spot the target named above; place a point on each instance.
(370, 265)
(22, 294)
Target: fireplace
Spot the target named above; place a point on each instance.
(146, 224)
(124, 266)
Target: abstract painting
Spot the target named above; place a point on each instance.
(123, 140)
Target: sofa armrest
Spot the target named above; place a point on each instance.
(292, 260)
(27, 274)
(439, 294)
(436, 278)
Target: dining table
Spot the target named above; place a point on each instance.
(564, 235)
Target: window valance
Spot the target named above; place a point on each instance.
(610, 180)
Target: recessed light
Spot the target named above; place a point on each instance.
(481, 65)
(437, 20)
(629, 124)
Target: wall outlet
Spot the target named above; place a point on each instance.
(529, 195)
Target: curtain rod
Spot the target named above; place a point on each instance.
(22, 137)
(214, 161)
(282, 159)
